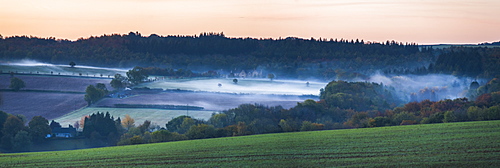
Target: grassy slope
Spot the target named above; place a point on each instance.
(157, 116)
(467, 144)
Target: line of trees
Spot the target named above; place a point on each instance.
(16, 137)
(328, 59)
(480, 62)
(286, 57)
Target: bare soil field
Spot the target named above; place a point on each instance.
(57, 83)
(207, 100)
(48, 105)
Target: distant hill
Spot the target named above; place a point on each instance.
(286, 57)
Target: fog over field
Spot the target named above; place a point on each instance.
(213, 94)
(243, 86)
(35, 67)
(432, 86)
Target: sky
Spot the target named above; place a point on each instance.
(419, 21)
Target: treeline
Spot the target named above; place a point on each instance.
(328, 59)
(480, 62)
(286, 57)
(176, 73)
(15, 136)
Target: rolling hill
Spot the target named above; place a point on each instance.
(464, 144)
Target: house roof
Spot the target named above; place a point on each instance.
(64, 130)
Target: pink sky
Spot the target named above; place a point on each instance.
(420, 21)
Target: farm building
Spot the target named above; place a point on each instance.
(60, 132)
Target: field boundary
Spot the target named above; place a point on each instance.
(55, 75)
(41, 91)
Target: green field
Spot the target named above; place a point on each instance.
(466, 144)
(157, 116)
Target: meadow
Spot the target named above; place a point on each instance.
(464, 144)
(156, 116)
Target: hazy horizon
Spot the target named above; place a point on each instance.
(418, 21)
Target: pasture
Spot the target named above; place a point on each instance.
(157, 116)
(465, 144)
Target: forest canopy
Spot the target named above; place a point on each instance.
(286, 57)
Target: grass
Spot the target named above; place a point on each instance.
(466, 144)
(158, 116)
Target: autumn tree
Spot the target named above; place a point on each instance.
(128, 122)
(309, 126)
(242, 129)
(16, 84)
(82, 121)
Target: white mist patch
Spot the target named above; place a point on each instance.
(420, 87)
(35, 67)
(26, 62)
(378, 78)
(243, 86)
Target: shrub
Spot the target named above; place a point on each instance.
(379, 122)
(201, 131)
(308, 126)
